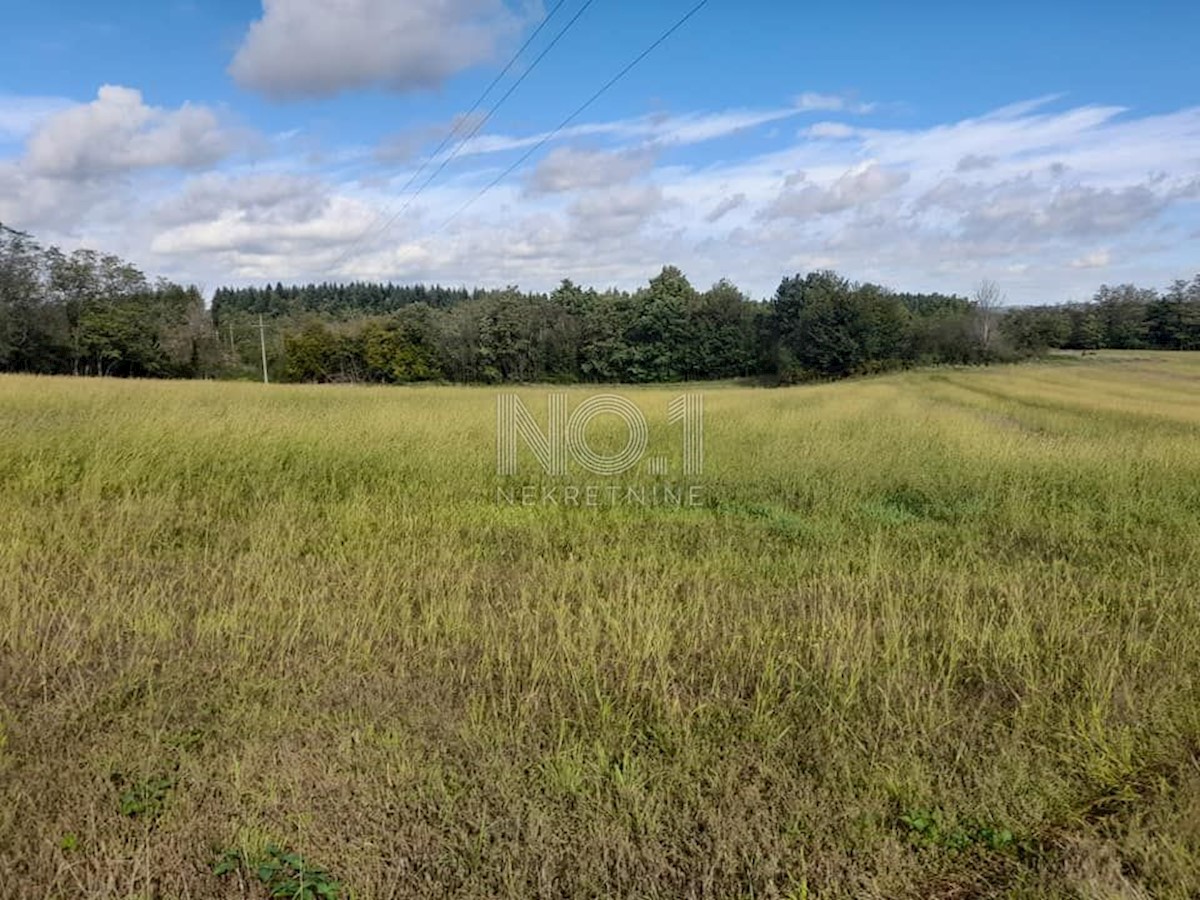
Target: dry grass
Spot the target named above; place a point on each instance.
(958, 597)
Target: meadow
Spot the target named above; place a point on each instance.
(932, 634)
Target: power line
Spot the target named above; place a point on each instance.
(462, 120)
(578, 112)
(478, 125)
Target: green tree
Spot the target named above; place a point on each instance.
(1086, 328)
(1173, 320)
(658, 337)
(315, 353)
(722, 334)
(399, 350)
(1122, 314)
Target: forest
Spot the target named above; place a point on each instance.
(88, 313)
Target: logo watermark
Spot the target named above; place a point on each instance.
(563, 451)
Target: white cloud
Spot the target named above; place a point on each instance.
(260, 198)
(88, 168)
(859, 186)
(38, 204)
(570, 169)
(117, 132)
(1035, 206)
(974, 162)
(813, 102)
(312, 48)
(246, 219)
(724, 208)
(833, 130)
(655, 131)
(1037, 198)
(617, 212)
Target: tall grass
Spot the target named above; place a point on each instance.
(933, 634)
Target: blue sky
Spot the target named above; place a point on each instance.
(1050, 147)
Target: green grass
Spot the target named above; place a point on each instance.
(930, 635)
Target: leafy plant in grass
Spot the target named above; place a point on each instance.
(927, 827)
(284, 874)
(145, 799)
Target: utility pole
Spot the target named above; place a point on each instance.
(262, 343)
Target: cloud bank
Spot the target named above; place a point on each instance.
(1049, 202)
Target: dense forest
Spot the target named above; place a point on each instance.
(91, 314)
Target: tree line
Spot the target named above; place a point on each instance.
(1124, 317)
(817, 326)
(93, 314)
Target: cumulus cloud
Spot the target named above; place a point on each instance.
(256, 215)
(860, 185)
(1083, 210)
(619, 212)
(119, 132)
(270, 197)
(80, 162)
(1027, 207)
(305, 48)
(570, 169)
(35, 203)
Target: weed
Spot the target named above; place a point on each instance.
(144, 799)
(928, 827)
(283, 874)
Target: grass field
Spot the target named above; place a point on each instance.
(930, 635)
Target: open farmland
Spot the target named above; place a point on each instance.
(929, 634)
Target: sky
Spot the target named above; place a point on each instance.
(1049, 147)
